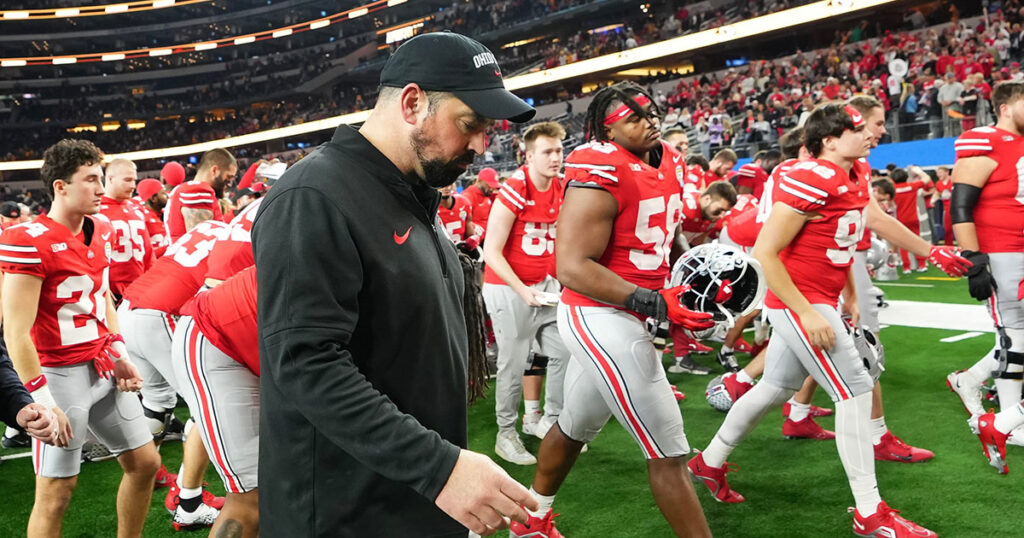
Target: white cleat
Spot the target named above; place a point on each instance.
(204, 516)
(509, 447)
(531, 423)
(968, 390)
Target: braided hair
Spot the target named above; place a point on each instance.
(473, 310)
(622, 92)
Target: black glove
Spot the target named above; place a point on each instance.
(648, 303)
(979, 279)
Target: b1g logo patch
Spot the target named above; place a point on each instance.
(108, 251)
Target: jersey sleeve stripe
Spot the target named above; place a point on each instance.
(606, 167)
(18, 248)
(800, 195)
(23, 261)
(973, 141)
(197, 202)
(586, 184)
(508, 190)
(511, 200)
(973, 147)
(605, 175)
(194, 194)
(801, 185)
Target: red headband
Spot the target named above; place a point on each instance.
(624, 110)
(855, 115)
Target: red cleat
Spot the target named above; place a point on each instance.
(535, 527)
(888, 523)
(993, 441)
(892, 448)
(815, 411)
(164, 479)
(806, 429)
(742, 346)
(714, 479)
(735, 387)
(679, 395)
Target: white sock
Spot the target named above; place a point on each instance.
(190, 493)
(726, 349)
(982, 369)
(853, 441)
(743, 377)
(1008, 389)
(544, 503)
(181, 473)
(798, 411)
(1010, 418)
(532, 407)
(744, 416)
(878, 429)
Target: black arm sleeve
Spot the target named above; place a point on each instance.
(309, 278)
(13, 394)
(962, 202)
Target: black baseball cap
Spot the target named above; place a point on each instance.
(450, 62)
(10, 210)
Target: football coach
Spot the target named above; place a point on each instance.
(363, 344)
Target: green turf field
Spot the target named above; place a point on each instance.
(793, 488)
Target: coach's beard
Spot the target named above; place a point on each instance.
(438, 172)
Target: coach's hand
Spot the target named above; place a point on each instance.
(818, 330)
(980, 281)
(482, 496)
(39, 422)
(127, 376)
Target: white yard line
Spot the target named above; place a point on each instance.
(27, 454)
(959, 337)
(954, 317)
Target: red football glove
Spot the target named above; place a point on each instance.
(113, 350)
(949, 260)
(682, 316)
(472, 242)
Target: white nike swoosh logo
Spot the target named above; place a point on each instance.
(676, 159)
(106, 236)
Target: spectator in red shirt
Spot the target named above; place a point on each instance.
(906, 207)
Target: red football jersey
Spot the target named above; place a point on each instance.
(191, 195)
(741, 221)
(70, 325)
(861, 171)
(132, 254)
(765, 202)
(999, 214)
(226, 315)
(530, 246)
(693, 180)
(481, 204)
(177, 276)
(906, 202)
(233, 253)
(158, 239)
(820, 255)
(693, 223)
(650, 208)
(753, 176)
(454, 219)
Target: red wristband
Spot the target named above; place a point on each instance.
(114, 338)
(36, 383)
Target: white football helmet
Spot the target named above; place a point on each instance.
(871, 350)
(718, 396)
(721, 280)
(877, 253)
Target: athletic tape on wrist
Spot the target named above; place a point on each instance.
(43, 396)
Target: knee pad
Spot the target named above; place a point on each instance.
(1010, 365)
(538, 366)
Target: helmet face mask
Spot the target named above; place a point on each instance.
(870, 349)
(719, 280)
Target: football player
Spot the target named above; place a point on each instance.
(617, 225)
(750, 178)
(806, 247)
(481, 197)
(720, 166)
(988, 219)
(678, 139)
(149, 315)
(216, 357)
(151, 199)
(520, 293)
(133, 251)
(62, 333)
(198, 200)
(907, 191)
(456, 215)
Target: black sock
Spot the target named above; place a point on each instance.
(190, 505)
